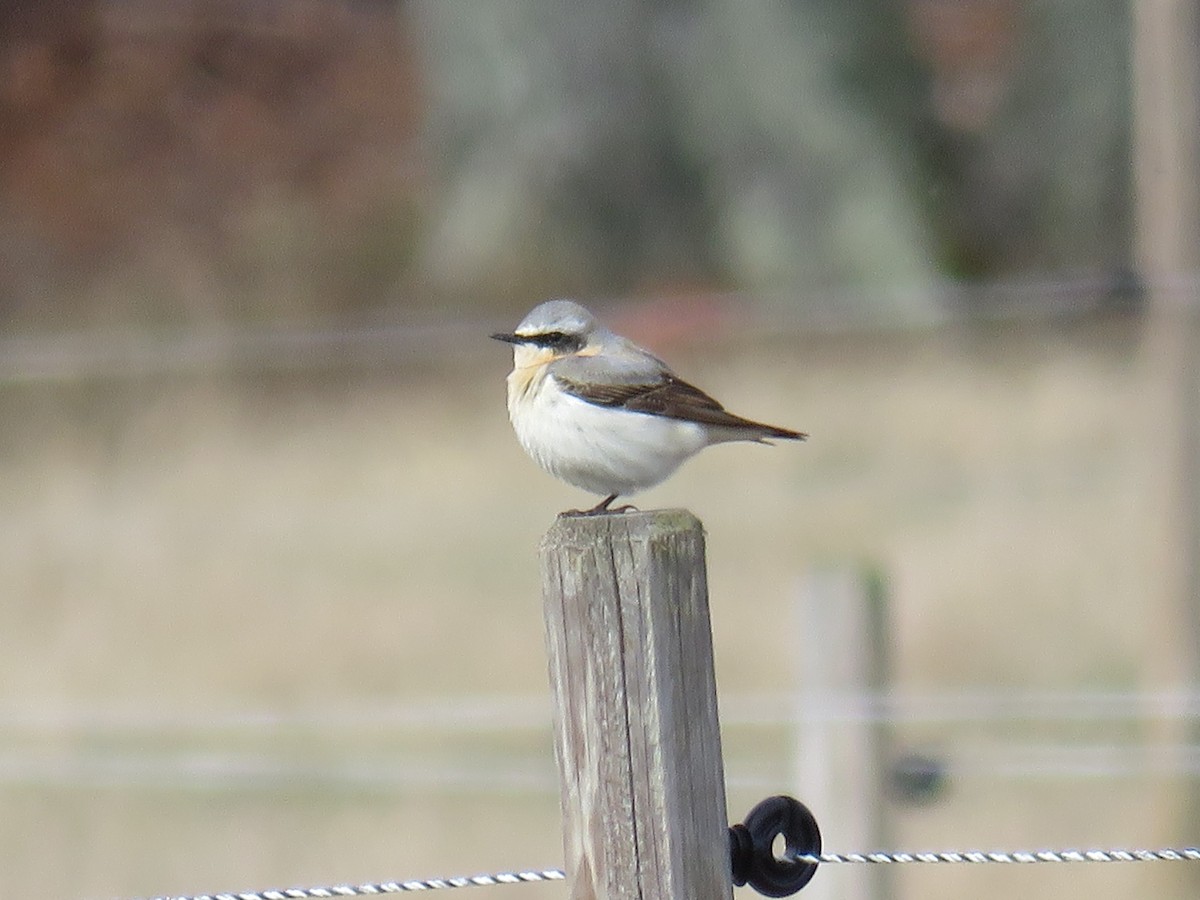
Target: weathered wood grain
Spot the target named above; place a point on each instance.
(636, 729)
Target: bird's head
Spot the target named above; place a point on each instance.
(552, 330)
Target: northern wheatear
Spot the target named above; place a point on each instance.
(601, 413)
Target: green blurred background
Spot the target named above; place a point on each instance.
(269, 611)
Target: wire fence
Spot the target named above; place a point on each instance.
(487, 714)
(951, 857)
(140, 353)
(116, 742)
(82, 357)
(263, 774)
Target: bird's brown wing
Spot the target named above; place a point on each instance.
(671, 398)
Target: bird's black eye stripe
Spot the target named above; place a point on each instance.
(557, 340)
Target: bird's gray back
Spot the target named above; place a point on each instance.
(619, 362)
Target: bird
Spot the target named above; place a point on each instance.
(599, 412)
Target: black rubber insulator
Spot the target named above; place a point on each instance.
(752, 847)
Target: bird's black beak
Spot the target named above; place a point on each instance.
(507, 338)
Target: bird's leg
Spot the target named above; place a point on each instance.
(600, 508)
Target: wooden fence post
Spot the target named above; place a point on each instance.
(635, 707)
(1166, 252)
(842, 749)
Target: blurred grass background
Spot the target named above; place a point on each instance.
(270, 605)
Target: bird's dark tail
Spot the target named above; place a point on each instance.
(783, 434)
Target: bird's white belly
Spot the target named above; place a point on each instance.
(600, 449)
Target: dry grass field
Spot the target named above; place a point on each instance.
(285, 629)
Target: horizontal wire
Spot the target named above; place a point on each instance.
(138, 353)
(945, 857)
(201, 768)
(503, 713)
(382, 887)
(1164, 854)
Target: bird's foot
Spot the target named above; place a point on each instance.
(601, 508)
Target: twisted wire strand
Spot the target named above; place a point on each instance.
(1018, 857)
(1165, 854)
(383, 887)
